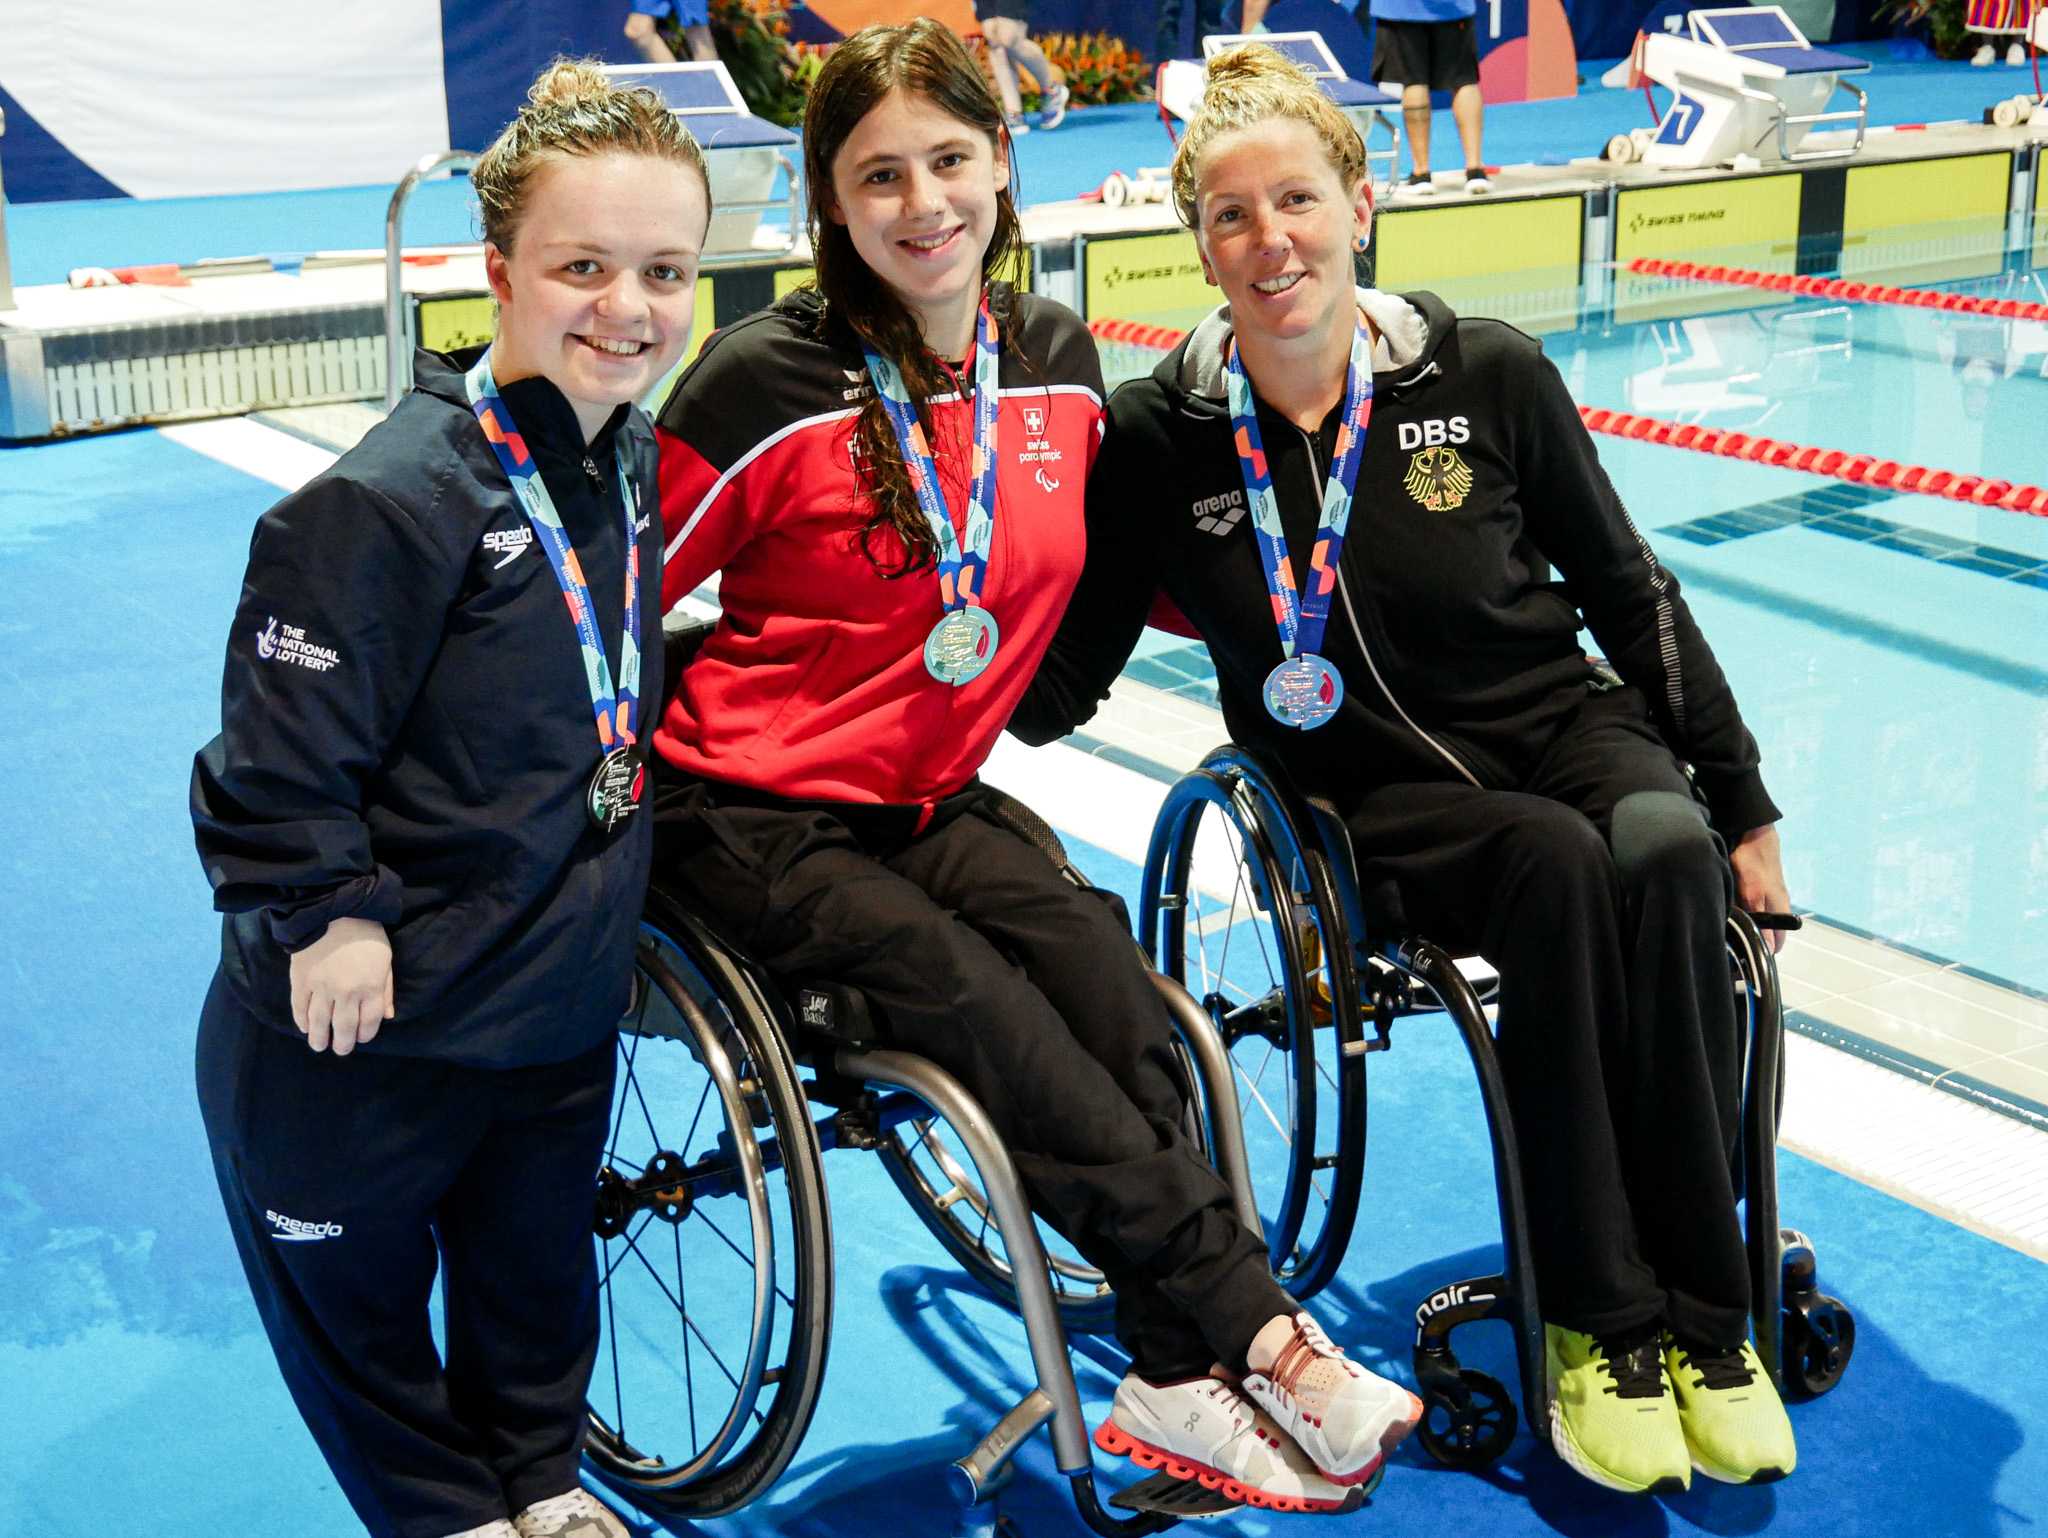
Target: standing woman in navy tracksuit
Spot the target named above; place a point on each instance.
(418, 818)
(887, 470)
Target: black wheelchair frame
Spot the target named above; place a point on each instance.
(1336, 972)
(707, 1023)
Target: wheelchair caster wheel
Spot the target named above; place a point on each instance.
(1472, 1436)
(1819, 1338)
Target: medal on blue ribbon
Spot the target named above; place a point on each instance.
(964, 641)
(1304, 691)
(619, 782)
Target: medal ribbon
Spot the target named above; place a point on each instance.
(614, 706)
(963, 562)
(1301, 616)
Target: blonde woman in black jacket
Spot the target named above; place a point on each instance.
(1358, 500)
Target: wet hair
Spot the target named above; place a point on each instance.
(1247, 85)
(922, 58)
(574, 108)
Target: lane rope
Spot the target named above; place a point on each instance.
(1842, 288)
(1857, 469)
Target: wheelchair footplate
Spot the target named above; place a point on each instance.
(1171, 1497)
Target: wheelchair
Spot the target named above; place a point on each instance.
(715, 1235)
(1250, 900)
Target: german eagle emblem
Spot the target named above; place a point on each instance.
(1439, 479)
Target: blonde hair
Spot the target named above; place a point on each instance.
(574, 108)
(1247, 85)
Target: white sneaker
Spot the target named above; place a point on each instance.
(1346, 1419)
(578, 1514)
(1052, 110)
(1478, 181)
(1984, 55)
(2015, 55)
(1202, 1430)
(1419, 185)
(1018, 127)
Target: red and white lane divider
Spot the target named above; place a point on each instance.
(1165, 338)
(1859, 469)
(1842, 288)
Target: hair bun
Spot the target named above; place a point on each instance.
(1250, 61)
(567, 82)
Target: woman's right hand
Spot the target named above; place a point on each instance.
(341, 986)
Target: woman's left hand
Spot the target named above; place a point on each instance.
(1759, 879)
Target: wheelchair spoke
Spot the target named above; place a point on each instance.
(689, 1323)
(632, 1057)
(705, 1219)
(1252, 1088)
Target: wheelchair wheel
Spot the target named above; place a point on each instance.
(715, 1260)
(1236, 910)
(936, 1176)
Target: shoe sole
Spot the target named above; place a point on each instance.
(1117, 1442)
(1720, 1473)
(1574, 1457)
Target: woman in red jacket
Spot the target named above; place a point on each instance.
(886, 469)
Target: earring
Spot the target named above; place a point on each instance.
(1360, 243)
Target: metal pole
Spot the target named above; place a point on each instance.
(6, 272)
(398, 356)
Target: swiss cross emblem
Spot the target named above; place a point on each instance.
(1034, 421)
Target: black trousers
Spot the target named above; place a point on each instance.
(977, 954)
(1601, 895)
(345, 1180)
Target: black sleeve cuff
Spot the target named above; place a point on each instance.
(1737, 803)
(377, 897)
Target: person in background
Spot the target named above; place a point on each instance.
(1432, 45)
(419, 819)
(693, 16)
(1006, 28)
(1208, 19)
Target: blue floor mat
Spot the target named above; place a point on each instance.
(140, 1395)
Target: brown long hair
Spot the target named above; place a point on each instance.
(925, 59)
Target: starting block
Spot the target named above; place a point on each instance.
(1181, 83)
(742, 153)
(1742, 78)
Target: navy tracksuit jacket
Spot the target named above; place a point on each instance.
(406, 737)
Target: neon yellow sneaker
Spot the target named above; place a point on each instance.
(1735, 1425)
(1612, 1413)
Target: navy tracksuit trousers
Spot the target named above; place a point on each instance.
(348, 1182)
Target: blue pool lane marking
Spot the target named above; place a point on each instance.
(1836, 510)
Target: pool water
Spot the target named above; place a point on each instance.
(1890, 651)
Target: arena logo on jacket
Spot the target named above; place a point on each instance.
(288, 643)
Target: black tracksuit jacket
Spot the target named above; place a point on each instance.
(1478, 480)
(406, 731)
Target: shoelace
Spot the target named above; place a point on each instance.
(1638, 1372)
(1295, 1358)
(1719, 1371)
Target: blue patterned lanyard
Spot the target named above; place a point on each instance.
(1301, 616)
(963, 562)
(614, 707)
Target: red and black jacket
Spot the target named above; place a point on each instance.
(813, 685)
